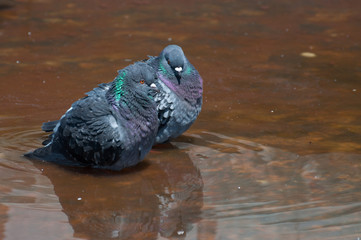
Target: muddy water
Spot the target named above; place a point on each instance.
(275, 153)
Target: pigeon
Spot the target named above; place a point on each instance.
(180, 93)
(113, 127)
(181, 88)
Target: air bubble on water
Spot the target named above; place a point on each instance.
(272, 111)
(79, 198)
(180, 232)
(17, 61)
(354, 90)
(29, 33)
(169, 39)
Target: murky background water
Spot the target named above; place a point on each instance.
(275, 153)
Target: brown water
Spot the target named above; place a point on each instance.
(275, 153)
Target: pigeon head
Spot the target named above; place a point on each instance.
(178, 74)
(174, 63)
(135, 80)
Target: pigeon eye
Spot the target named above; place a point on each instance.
(168, 62)
(142, 81)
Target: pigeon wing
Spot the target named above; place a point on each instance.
(91, 132)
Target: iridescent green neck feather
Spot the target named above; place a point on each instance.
(119, 82)
(188, 70)
(161, 68)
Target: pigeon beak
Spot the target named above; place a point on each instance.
(154, 87)
(177, 73)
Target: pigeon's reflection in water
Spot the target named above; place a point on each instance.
(163, 195)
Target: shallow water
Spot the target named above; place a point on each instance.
(275, 153)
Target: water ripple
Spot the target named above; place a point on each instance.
(268, 190)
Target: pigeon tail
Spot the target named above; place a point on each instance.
(47, 155)
(49, 126)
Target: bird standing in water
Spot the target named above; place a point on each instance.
(181, 88)
(112, 128)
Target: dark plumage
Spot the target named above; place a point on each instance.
(113, 127)
(180, 97)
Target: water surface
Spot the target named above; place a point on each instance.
(275, 153)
